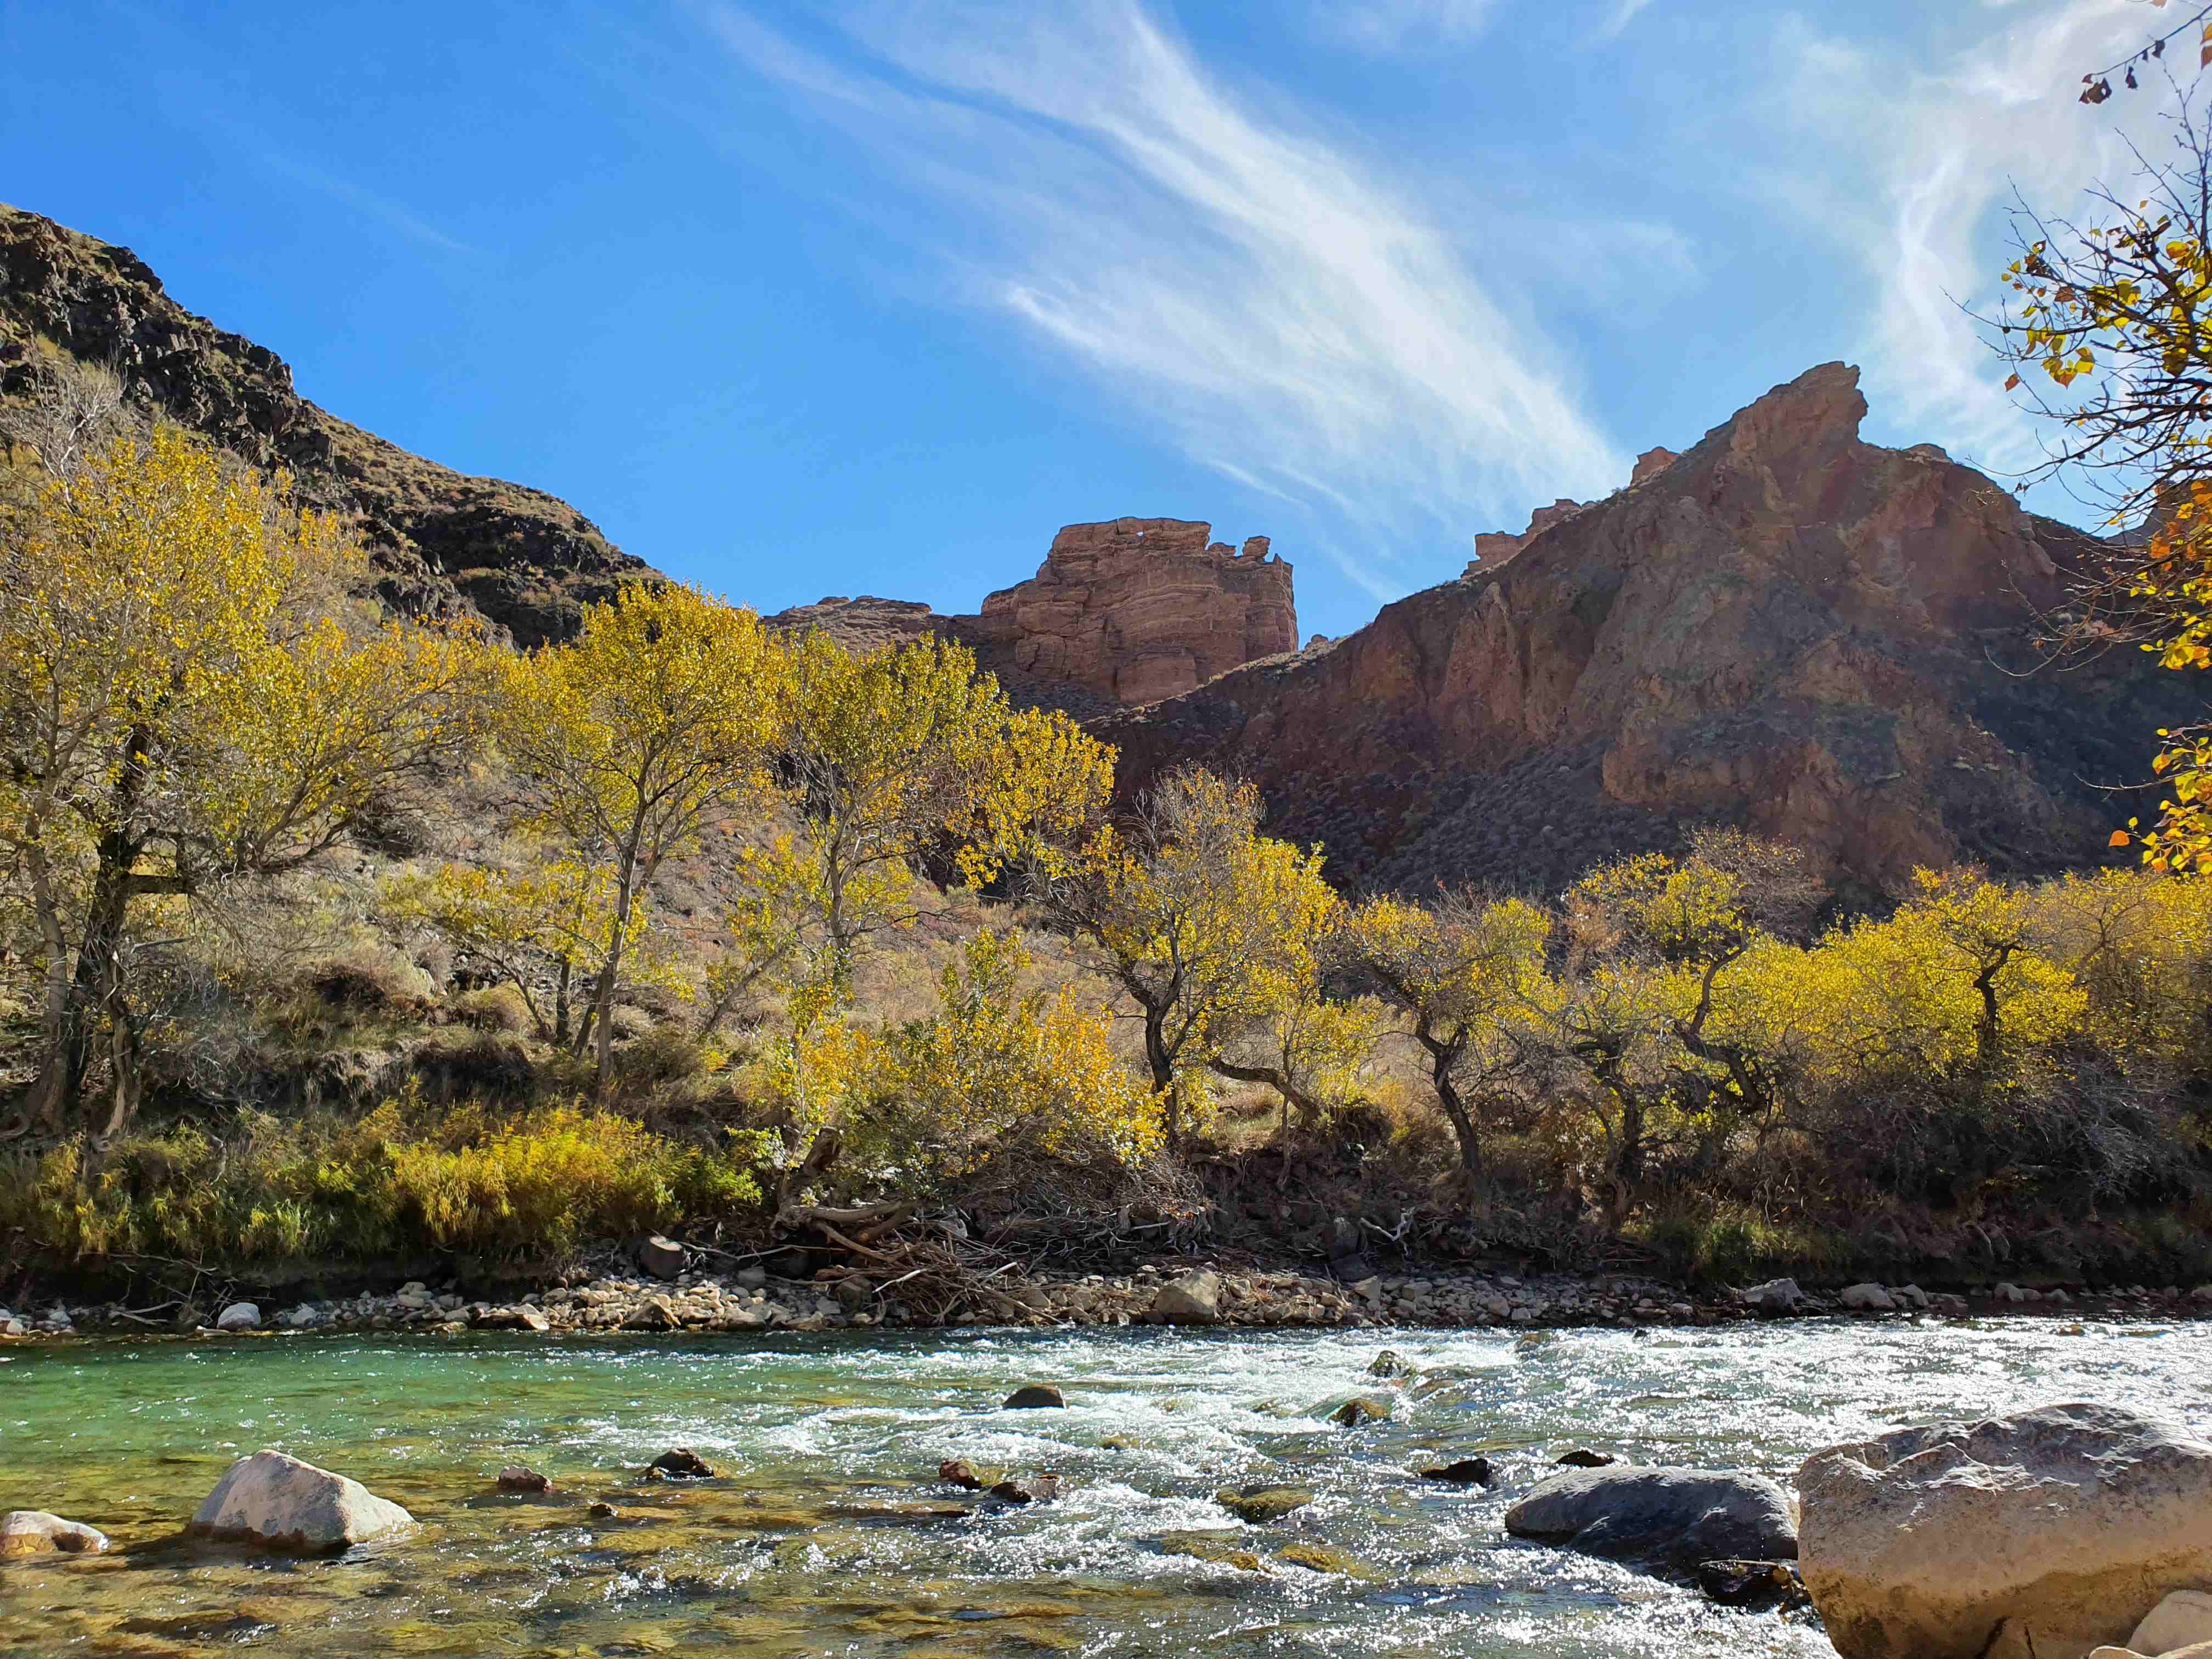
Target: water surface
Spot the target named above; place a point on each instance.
(826, 1539)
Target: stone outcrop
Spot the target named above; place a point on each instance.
(1120, 613)
(2047, 1533)
(282, 1504)
(1666, 1517)
(1785, 629)
(444, 543)
(1140, 608)
(1492, 548)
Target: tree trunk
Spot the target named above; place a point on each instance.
(1280, 1081)
(60, 1090)
(1163, 1068)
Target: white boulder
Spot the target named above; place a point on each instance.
(2049, 1534)
(34, 1532)
(281, 1503)
(239, 1316)
(1193, 1299)
(1776, 1296)
(2181, 1620)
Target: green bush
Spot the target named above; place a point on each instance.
(479, 1182)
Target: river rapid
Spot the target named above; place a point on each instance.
(831, 1536)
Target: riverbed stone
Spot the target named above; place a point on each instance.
(1670, 1517)
(2182, 1619)
(1192, 1299)
(1358, 1412)
(682, 1464)
(2050, 1532)
(1776, 1296)
(1465, 1472)
(36, 1532)
(1036, 1396)
(280, 1502)
(1259, 1504)
(661, 1257)
(1760, 1584)
(1582, 1458)
(239, 1316)
(1866, 1298)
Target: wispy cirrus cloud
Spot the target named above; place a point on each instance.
(1618, 16)
(1277, 303)
(366, 203)
(1913, 168)
(1382, 26)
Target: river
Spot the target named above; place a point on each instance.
(828, 1534)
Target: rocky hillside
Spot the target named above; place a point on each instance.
(1785, 629)
(523, 560)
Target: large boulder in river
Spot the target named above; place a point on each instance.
(2048, 1533)
(1193, 1299)
(281, 1503)
(1664, 1517)
(34, 1532)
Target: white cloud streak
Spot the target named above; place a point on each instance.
(1276, 304)
(366, 203)
(1617, 17)
(1385, 27)
(1912, 171)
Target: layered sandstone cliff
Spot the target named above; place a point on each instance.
(1135, 609)
(443, 543)
(1120, 613)
(1785, 629)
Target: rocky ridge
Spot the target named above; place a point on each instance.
(1785, 629)
(445, 544)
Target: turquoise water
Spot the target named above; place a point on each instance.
(830, 1536)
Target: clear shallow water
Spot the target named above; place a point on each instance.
(820, 1541)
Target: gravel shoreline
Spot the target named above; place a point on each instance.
(1179, 1293)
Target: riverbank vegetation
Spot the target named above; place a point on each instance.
(334, 936)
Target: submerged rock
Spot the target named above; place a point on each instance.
(2049, 1532)
(1669, 1517)
(1391, 1363)
(1760, 1584)
(1466, 1472)
(280, 1503)
(1358, 1412)
(1037, 1396)
(966, 1476)
(521, 1478)
(34, 1532)
(682, 1464)
(1581, 1459)
(1259, 1504)
(1036, 1489)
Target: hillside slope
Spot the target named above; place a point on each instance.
(523, 560)
(1786, 628)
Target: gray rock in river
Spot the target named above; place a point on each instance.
(239, 1316)
(2049, 1532)
(1669, 1517)
(280, 1502)
(1193, 1299)
(1034, 1396)
(34, 1532)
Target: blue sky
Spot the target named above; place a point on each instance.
(799, 300)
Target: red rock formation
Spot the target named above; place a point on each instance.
(1492, 548)
(1120, 613)
(1140, 608)
(1785, 629)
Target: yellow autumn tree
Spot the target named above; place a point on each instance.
(657, 720)
(1194, 916)
(1462, 973)
(895, 755)
(2107, 325)
(187, 696)
(546, 930)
